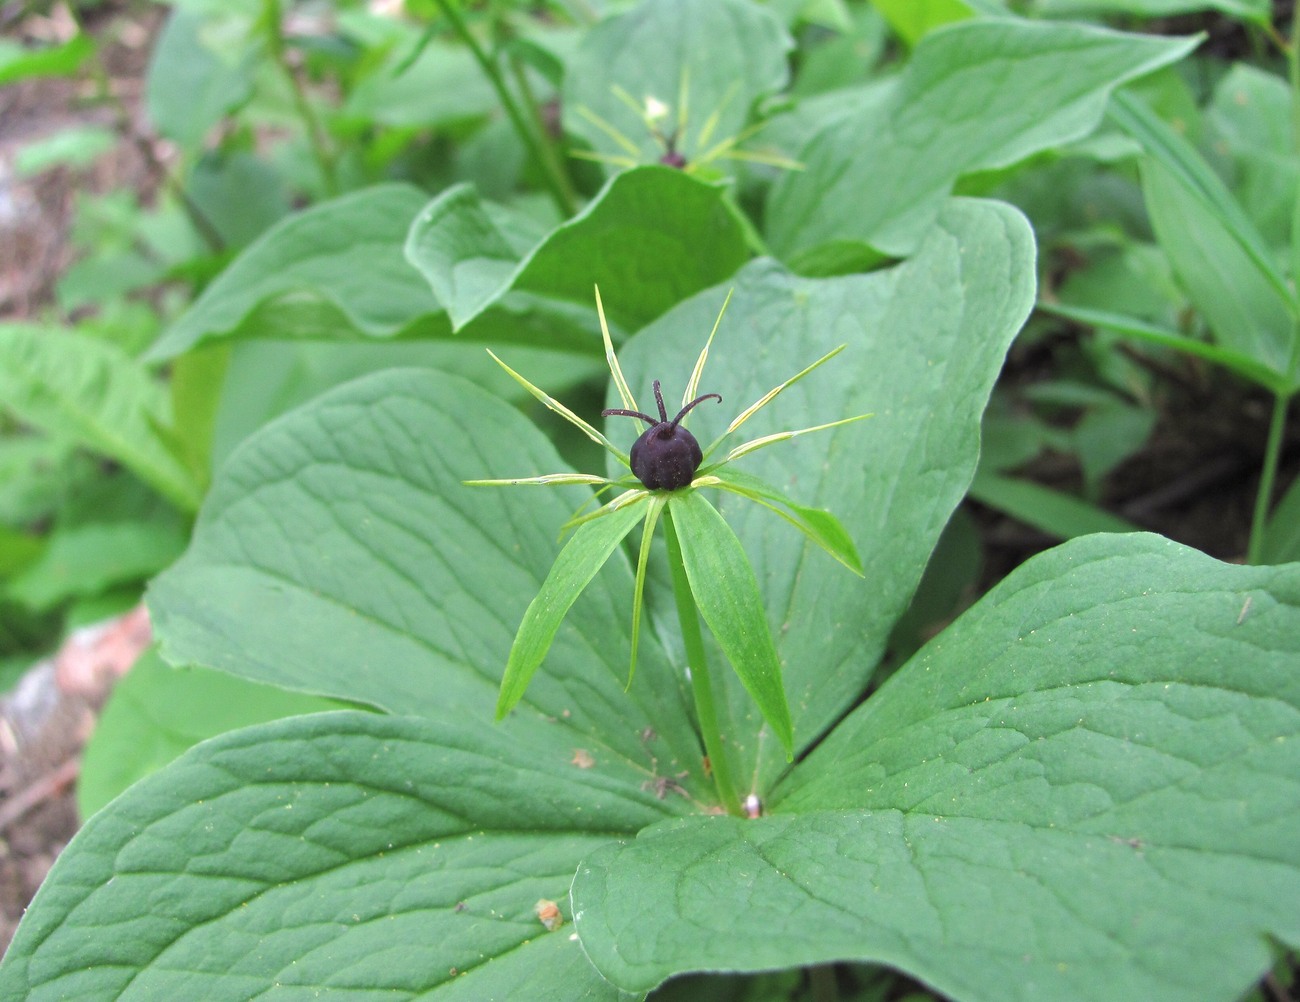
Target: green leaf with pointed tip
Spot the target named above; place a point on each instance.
(1055, 512)
(332, 271)
(339, 554)
(726, 593)
(344, 854)
(583, 555)
(1226, 267)
(1085, 789)
(926, 341)
(717, 59)
(818, 524)
(91, 392)
(650, 237)
(950, 113)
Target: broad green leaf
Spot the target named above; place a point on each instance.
(1083, 789)
(819, 525)
(344, 854)
(926, 341)
(706, 63)
(340, 554)
(1242, 307)
(337, 272)
(334, 270)
(156, 712)
(201, 70)
(582, 557)
(651, 237)
(1054, 512)
(91, 392)
(950, 113)
(726, 593)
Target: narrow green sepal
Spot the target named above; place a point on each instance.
(572, 571)
(818, 524)
(725, 589)
(657, 502)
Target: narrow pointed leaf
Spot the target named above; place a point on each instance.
(818, 524)
(726, 593)
(693, 384)
(772, 394)
(545, 480)
(552, 404)
(584, 555)
(657, 503)
(611, 359)
(763, 441)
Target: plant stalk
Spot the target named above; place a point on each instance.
(696, 659)
(549, 168)
(1267, 477)
(273, 16)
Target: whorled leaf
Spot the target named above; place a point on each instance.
(348, 854)
(650, 237)
(950, 113)
(341, 554)
(1086, 788)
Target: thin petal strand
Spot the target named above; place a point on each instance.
(772, 394)
(693, 384)
(551, 403)
(615, 370)
(545, 480)
(781, 436)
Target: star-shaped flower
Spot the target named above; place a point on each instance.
(667, 470)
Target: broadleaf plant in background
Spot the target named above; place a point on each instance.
(1083, 787)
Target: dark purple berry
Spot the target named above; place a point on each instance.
(666, 455)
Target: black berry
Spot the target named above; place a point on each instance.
(666, 455)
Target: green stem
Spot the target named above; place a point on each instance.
(1267, 477)
(692, 637)
(527, 135)
(311, 121)
(554, 168)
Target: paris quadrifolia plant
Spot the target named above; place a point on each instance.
(668, 474)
